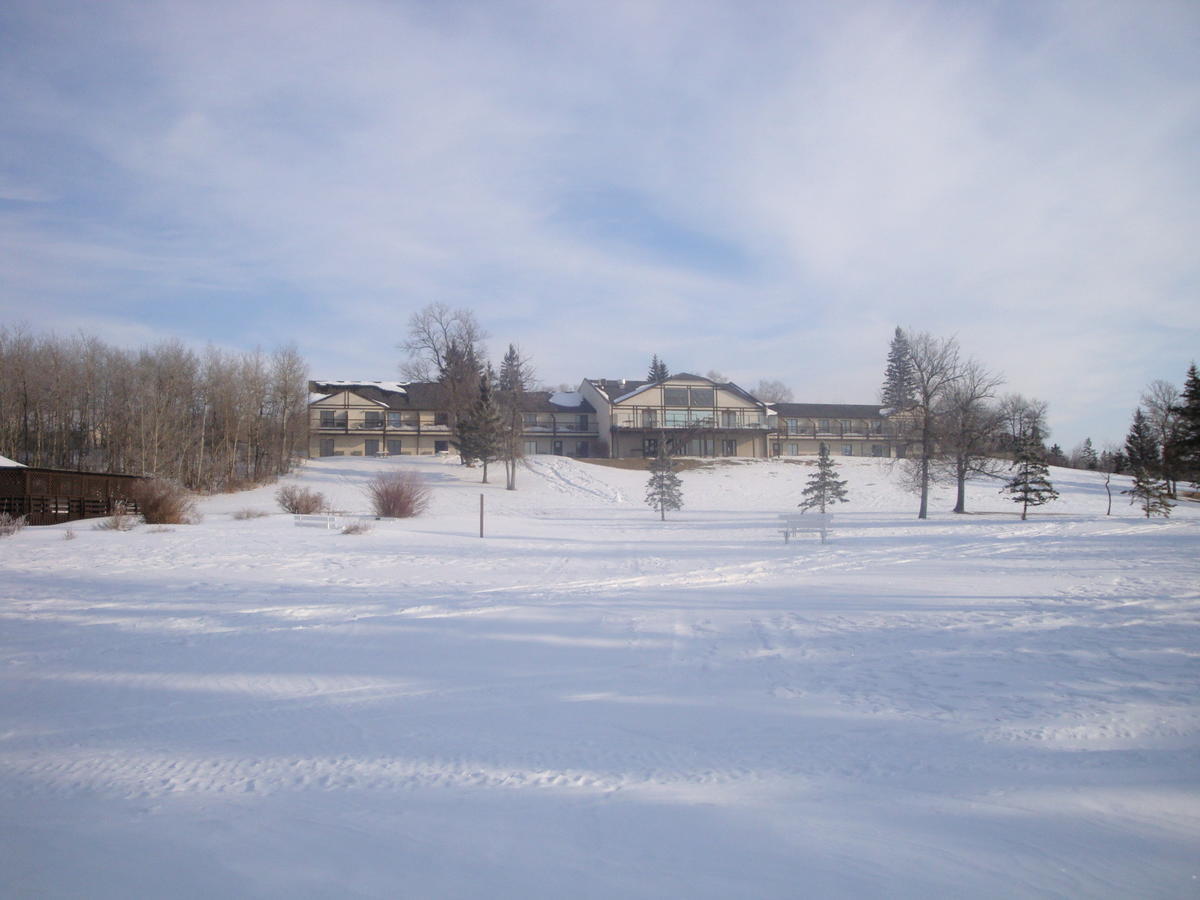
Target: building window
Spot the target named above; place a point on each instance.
(650, 447)
(331, 418)
(675, 396)
(877, 450)
(531, 448)
(847, 426)
(393, 420)
(582, 423)
(558, 448)
(703, 397)
(327, 446)
(729, 448)
(441, 446)
(729, 418)
(823, 426)
(529, 420)
(793, 449)
(371, 447)
(649, 418)
(372, 420)
(441, 418)
(393, 446)
(847, 449)
(581, 449)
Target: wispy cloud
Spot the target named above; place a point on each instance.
(765, 189)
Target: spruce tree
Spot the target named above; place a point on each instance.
(480, 433)
(515, 380)
(1141, 445)
(664, 490)
(899, 381)
(1150, 493)
(1030, 484)
(1087, 455)
(658, 370)
(824, 487)
(1188, 446)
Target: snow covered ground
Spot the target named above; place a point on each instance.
(593, 703)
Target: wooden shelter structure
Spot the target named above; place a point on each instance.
(49, 496)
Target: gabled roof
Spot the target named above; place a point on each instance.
(617, 390)
(828, 410)
(429, 395)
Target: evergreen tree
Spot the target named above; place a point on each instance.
(480, 433)
(899, 381)
(1087, 456)
(458, 376)
(1188, 444)
(1055, 456)
(1142, 452)
(664, 490)
(1141, 445)
(658, 370)
(516, 378)
(1030, 484)
(824, 487)
(1151, 493)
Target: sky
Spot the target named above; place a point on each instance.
(761, 189)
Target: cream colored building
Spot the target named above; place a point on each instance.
(376, 418)
(847, 429)
(694, 415)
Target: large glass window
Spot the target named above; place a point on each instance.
(729, 418)
(675, 397)
(703, 397)
(393, 420)
(372, 419)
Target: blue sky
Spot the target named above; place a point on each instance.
(764, 189)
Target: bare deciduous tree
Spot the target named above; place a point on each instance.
(935, 371)
(432, 331)
(770, 390)
(970, 426)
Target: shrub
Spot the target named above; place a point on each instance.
(356, 528)
(69, 535)
(249, 513)
(399, 495)
(164, 502)
(10, 524)
(302, 501)
(120, 520)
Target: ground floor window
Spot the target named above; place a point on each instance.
(326, 446)
(847, 449)
(793, 449)
(371, 446)
(650, 447)
(729, 448)
(393, 446)
(877, 450)
(531, 448)
(441, 446)
(581, 449)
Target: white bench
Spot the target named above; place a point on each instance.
(317, 520)
(805, 523)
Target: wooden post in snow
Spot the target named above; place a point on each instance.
(481, 515)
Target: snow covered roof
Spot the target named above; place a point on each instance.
(6, 463)
(566, 398)
(396, 387)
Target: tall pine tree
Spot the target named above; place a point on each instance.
(658, 370)
(480, 433)
(1188, 446)
(664, 491)
(1030, 484)
(899, 383)
(1149, 491)
(824, 487)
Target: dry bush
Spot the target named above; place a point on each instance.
(398, 495)
(356, 528)
(120, 520)
(249, 513)
(10, 524)
(69, 535)
(300, 501)
(164, 502)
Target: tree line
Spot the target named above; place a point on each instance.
(212, 421)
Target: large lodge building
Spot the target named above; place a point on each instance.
(603, 418)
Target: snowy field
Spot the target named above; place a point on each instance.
(590, 703)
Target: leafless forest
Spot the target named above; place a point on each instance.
(211, 421)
